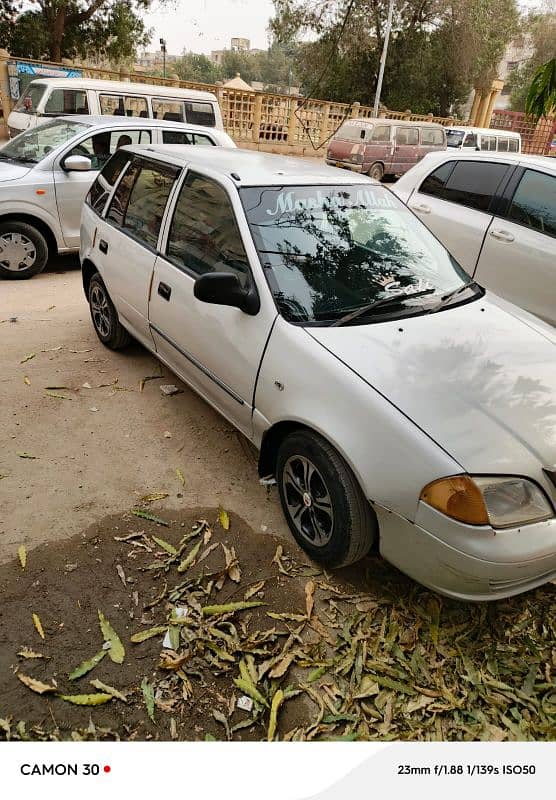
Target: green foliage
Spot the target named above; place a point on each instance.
(56, 29)
(195, 67)
(423, 72)
(540, 29)
(541, 97)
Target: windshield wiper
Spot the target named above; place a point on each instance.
(447, 298)
(18, 159)
(398, 298)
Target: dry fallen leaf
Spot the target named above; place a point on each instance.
(22, 553)
(28, 357)
(116, 651)
(38, 625)
(34, 685)
(309, 597)
(26, 380)
(181, 476)
(224, 519)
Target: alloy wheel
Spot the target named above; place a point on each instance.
(100, 311)
(308, 500)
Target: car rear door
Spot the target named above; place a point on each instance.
(518, 258)
(71, 187)
(455, 200)
(126, 240)
(217, 349)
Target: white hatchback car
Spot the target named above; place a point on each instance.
(46, 172)
(392, 399)
(496, 213)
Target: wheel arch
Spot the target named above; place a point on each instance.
(42, 226)
(88, 269)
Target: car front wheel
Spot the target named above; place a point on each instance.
(105, 317)
(376, 171)
(23, 250)
(324, 506)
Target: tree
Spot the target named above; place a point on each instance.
(539, 31)
(67, 28)
(197, 67)
(340, 61)
(541, 97)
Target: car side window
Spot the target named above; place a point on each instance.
(141, 205)
(204, 236)
(168, 109)
(120, 105)
(380, 133)
(470, 140)
(488, 143)
(432, 136)
(101, 188)
(513, 145)
(407, 136)
(435, 182)
(471, 183)
(534, 202)
(200, 114)
(67, 101)
(185, 137)
(102, 145)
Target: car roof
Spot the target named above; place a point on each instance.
(108, 121)
(127, 87)
(488, 131)
(251, 167)
(381, 120)
(451, 154)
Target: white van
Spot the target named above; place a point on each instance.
(487, 139)
(57, 97)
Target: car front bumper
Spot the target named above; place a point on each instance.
(466, 562)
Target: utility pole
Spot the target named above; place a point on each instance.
(383, 58)
(163, 48)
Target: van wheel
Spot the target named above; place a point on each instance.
(376, 171)
(105, 317)
(322, 501)
(23, 250)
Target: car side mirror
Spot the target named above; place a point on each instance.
(77, 164)
(224, 289)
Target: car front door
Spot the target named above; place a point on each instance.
(215, 348)
(454, 201)
(72, 187)
(518, 259)
(126, 239)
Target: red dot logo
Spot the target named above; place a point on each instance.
(107, 768)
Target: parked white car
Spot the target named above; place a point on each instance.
(496, 214)
(393, 401)
(483, 139)
(46, 172)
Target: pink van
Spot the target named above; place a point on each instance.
(379, 147)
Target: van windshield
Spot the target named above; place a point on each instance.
(454, 138)
(29, 101)
(329, 250)
(34, 144)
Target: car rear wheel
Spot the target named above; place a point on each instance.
(105, 317)
(23, 250)
(322, 501)
(376, 171)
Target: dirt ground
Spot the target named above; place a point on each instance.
(88, 464)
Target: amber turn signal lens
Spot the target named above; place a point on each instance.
(457, 497)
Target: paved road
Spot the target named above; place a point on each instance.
(92, 463)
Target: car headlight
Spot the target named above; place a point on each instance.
(502, 502)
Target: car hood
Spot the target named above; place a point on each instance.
(479, 379)
(11, 172)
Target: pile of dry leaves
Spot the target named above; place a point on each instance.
(272, 648)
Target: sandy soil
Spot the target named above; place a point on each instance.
(89, 464)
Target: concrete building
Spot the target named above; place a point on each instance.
(238, 44)
(518, 52)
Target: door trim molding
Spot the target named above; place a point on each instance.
(198, 364)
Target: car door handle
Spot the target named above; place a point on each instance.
(502, 236)
(421, 209)
(103, 246)
(164, 291)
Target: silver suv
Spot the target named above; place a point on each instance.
(46, 172)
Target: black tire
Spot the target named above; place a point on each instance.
(19, 240)
(105, 317)
(376, 171)
(345, 535)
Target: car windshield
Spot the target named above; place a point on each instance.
(34, 144)
(330, 250)
(454, 138)
(28, 102)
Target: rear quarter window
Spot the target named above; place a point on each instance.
(106, 180)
